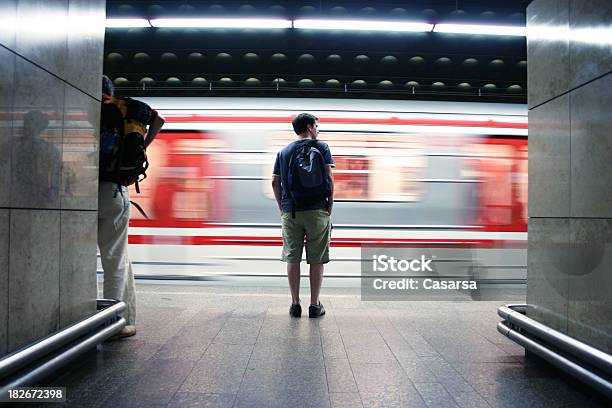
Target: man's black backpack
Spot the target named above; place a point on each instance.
(123, 159)
(308, 181)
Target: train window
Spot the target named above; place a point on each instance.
(370, 166)
(351, 177)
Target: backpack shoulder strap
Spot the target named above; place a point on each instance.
(291, 164)
(294, 152)
(140, 210)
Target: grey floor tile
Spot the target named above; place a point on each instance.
(214, 378)
(392, 398)
(249, 312)
(207, 319)
(239, 331)
(301, 362)
(485, 352)
(192, 334)
(154, 383)
(328, 325)
(455, 383)
(490, 373)
(287, 355)
(340, 377)
(435, 395)
(345, 400)
(282, 399)
(353, 320)
(355, 333)
(137, 349)
(355, 336)
(390, 334)
(156, 332)
(92, 380)
(370, 353)
(288, 379)
(288, 339)
(512, 349)
(333, 346)
(446, 374)
(378, 377)
(418, 343)
(469, 399)
(537, 393)
(285, 325)
(199, 400)
(417, 371)
(177, 349)
(350, 303)
(237, 336)
(224, 354)
(366, 347)
(132, 403)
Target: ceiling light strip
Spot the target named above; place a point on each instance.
(319, 24)
(481, 29)
(362, 25)
(262, 23)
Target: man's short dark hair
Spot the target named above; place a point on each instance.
(301, 121)
(107, 86)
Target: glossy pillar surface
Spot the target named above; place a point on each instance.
(50, 67)
(569, 284)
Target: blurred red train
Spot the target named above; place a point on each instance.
(450, 178)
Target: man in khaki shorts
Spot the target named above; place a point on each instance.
(303, 186)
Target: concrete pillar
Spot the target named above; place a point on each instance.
(51, 55)
(569, 282)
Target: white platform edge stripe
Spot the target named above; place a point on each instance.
(357, 234)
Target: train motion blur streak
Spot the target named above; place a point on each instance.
(447, 178)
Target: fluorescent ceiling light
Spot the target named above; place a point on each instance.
(126, 22)
(480, 29)
(221, 22)
(317, 24)
(360, 25)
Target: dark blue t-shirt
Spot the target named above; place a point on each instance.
(281, 168)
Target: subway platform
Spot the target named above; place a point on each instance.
(203, 346)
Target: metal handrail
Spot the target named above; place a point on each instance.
(567, 365)
(42, 371)
(588, 354)
(27, 355)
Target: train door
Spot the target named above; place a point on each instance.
(181, 187)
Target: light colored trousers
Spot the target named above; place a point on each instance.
(113, 218)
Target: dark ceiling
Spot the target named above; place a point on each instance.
(313, 63)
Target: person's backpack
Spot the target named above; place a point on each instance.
(308, 181)
(122, 135)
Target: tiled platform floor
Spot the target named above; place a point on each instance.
(200, 346)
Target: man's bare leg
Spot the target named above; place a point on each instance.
(316, 278)
(293, 272)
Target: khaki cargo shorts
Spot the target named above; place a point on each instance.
(315, 225)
